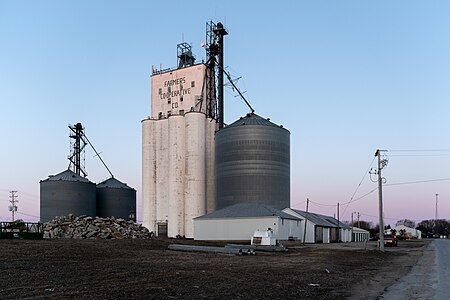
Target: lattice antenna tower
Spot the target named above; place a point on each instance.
(78, 142)
(76, 158)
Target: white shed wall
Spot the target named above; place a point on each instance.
(242, 229)
(346, 235)
(289, 228)
(310, 227)
(326, 235)
(360, 235)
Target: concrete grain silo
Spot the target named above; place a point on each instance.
(252, 163)
(115, 198)
(178, 150)
(175, 172)
(66, 193)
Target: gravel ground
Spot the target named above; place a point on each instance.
(145, 269)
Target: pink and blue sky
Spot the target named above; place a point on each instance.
(345, 77)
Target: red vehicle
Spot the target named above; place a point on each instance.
(390, 240)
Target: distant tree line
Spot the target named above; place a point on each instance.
(432, 228)
(429, 228)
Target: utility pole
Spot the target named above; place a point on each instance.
(381, 164)
(436, 213)
(306, 220)
(13, 201)
(357, 214)
(339, 231)
(352, 228)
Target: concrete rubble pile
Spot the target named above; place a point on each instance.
(84, 227)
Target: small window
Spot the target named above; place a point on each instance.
(160, 115)
(169, 89)
(192, 84)
(168, 101)
(169, 113)
(181, 112)
(181, 98)
(160, 91)
(181, 86)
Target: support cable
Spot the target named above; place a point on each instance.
(98, 154)
(237, 89)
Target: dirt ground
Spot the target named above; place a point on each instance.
(145, 269)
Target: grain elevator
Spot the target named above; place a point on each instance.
(178, 148)
(192, 163)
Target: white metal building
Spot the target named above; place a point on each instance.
(321, 228)
(414, 233)
(177, 153)
(238, 223)
(360, 235)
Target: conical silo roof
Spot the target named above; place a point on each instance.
(253, 119)
(114, 184)
(66, 175)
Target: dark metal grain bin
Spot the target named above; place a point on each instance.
(117, 199)
(66, 193)
(252, 163)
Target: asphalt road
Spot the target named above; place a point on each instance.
(428, 279)
(443, 266)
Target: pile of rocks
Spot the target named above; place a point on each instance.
(84, 227)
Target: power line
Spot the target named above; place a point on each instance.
(387, 217)
(418, 181)
(321, 204)
(418, 155)
(366, 194)
(29, 195)
(28, 215)
(354, 200)
(359, 185)
(419, 150)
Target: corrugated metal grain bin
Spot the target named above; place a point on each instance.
(253, 163)
(66, 193)
(115, 198)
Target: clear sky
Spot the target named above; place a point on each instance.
(345, 77)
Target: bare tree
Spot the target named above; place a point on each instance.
(433, 227)
(406, 222)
